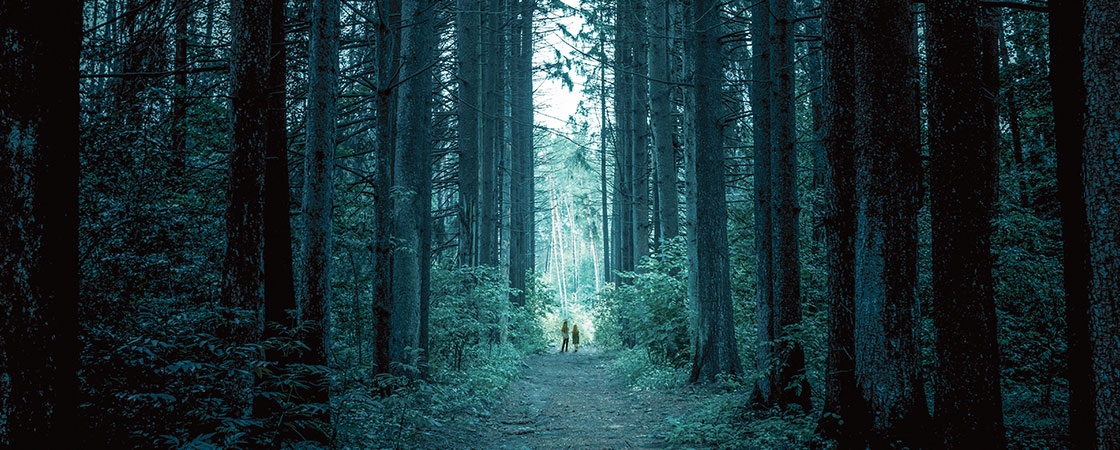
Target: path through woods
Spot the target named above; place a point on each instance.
(571, 400)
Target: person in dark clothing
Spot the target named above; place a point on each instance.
(564, 332)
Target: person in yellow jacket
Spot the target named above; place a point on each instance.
(564, 332)
(575, 338)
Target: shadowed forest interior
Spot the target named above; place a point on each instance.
(380, 223)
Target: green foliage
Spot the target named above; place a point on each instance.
(652, 308)
(470, 366)
(416, 409)
(724, 419)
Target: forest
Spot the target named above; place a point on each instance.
(838, 224)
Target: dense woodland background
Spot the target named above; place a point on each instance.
(856, 223)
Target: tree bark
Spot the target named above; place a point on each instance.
(413, 147)
(179, 103)
(243, 277)
(640, 123)
(967, 400)
(888, 177)
(844, 418)
(280, 306)
(39, 131)
(624, 120)
(760, 98)
(785, 210)
(1102, 195)
(318, 193)
(661, 119)
(521, 193)
(493, 132)
(714, 349)
(468, 26)
(387, 54)
(1068, 87)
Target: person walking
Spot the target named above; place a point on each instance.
(575, 338)
(564, 332)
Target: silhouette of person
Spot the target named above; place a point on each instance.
(575, 338)
(564, 331)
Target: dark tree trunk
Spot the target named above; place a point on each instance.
(318, 194)
(521, 193)
(714, 349)
(279, 289)
(640, 123)
(468, 26)
(967, 400)
(624, 118)
(243, 277)
(39, 130)
(1102, 195)
(1067, 84)
(816, 100)
(413, 147)
(845, 417)
(785, 210)
(179, 103)
(493, 134)
(387, 50)
(887, 196)
(760, 97)
(661, 119)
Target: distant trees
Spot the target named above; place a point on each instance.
(39, 129)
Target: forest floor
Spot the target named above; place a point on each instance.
(570, 400)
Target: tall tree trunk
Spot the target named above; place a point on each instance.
(785, 210)
(1102, 195)
(661, 118)
(493, 132)
(888, 176)
(967, 398)
(714, 349)
(816, 100)
(624, 118)
(521, 194)
(413, 147)
(760, 98)
(243, 277)
(640, 117)
(39, 131)
(468, 25)
(608, 275)
(318, 193)
(388, 15)
(844, 418)
(1068, 86)
(179, 103)
(279, 289)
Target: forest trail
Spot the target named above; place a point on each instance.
(571, 400)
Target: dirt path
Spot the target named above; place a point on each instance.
(571, 400)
